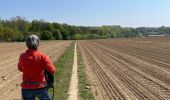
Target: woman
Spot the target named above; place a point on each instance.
(32, 64)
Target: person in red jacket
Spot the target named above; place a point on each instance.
(32, 64)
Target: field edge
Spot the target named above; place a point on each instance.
(84, 90)
(63, 73)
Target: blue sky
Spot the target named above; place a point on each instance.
(127, 13)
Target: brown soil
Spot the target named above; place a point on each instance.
(9, 54)
(128, 69)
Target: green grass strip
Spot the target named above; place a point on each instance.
(85, 92)
(63, 74)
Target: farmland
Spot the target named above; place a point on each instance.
(117, 69)
(128, 69)
(10, 77)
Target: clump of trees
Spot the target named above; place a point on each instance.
(18, 28)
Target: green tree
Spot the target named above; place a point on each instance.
(46, 35)
(18, 23)
(57, 26)
(164, 30)
(35, 26)
(8, 34)
(57, 34)
(18, 37)
(45, 26)
(77, 36)
(65, 35)
(1, 33)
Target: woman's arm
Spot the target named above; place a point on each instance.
(19, 64)
(49, 65)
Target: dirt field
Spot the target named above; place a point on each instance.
(9, 54)
(128, 69)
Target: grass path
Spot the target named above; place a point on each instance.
(74, 80)
(63, 75)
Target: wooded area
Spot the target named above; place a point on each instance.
(18, 28)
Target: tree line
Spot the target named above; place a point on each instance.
(18, 28)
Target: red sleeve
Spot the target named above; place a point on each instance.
(49, 65)
(19, 64)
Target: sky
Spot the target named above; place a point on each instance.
(127, 13)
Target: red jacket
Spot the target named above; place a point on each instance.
(33, 63)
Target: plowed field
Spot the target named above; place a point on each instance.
(9, 54)
(128, 69)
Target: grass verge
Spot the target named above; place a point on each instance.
(63, 74)
(85, 92)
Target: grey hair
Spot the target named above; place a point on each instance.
(32, 42)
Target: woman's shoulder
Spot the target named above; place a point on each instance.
(22, 54)
(42, 54)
